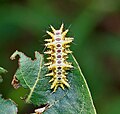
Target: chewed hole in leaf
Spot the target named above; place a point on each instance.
(15, 82)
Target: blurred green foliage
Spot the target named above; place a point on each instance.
(95, 25)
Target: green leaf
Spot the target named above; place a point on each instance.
(2, 71)
(75, 100)
(7, 106)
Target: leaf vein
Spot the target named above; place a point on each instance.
(38, 78)
(25, 80)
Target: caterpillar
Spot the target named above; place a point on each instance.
(58, 50)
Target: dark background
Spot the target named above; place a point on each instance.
(95, 26)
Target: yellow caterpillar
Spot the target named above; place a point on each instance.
(58, 51)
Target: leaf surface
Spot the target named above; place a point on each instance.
(75, 100)
(7, 106)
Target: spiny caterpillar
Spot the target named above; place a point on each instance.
(58, 53)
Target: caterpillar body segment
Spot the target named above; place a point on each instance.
(58, 53)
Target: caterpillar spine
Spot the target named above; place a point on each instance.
(58, 52)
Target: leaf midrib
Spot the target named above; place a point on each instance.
(85, 83)
(38, 78)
